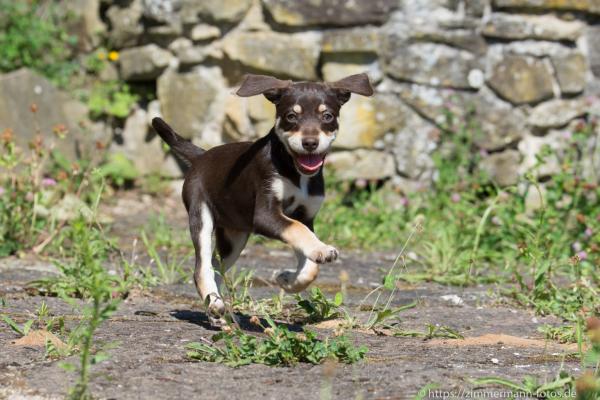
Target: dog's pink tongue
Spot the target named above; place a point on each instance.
(310, 162)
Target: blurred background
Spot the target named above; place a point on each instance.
(526, 71)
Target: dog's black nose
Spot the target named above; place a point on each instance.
(310, 143)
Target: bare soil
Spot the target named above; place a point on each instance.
(152, 327)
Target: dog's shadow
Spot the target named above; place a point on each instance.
(201, 319)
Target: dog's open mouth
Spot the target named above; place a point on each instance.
(309, 163)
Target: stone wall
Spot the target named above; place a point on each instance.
(526, 69)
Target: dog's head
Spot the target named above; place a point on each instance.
(306, 113)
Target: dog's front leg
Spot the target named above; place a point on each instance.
(201, 230)
(278, 226)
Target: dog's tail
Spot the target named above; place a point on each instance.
(184, 149)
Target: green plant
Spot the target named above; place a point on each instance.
(530, 386)
(84, 276)
(22, 330)
(561, 334)
(171, 271)
(432, 331)
(320, 308)
(32, 35)
(118, 169)
(280, 347)
(110, 99)
(84, 248)
(359, 218)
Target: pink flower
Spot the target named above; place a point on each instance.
(455, 197)
(582, 255)
(47, 182)
(361, 183)
(404, 201)
(2, 190)
(588, 232)
(576, 246)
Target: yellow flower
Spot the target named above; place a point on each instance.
(113, 55)
(101, 56)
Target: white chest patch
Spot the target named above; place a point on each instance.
(292, 196)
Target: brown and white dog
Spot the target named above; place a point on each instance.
(273, 187)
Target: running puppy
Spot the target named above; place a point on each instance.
(273, 187)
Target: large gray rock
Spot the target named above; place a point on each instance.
(144, 63)
(521, 79)
(592, 34)
(354, 40)
(498, 123)
(22, 88)
(413, 145)
(502, 168)
(357, 124)
(329, 12)
(162, 11)
(84, 19)
(335, 66)
(533, 148)
(227, 11)
(547, 27)
(194, 103)
(248, 117)
(437, 25)
(571, 70)
(430, 63)
(361, 164)
(556, 113)
(591, 6)
(125, 22)
(295, 55)
(204, 32)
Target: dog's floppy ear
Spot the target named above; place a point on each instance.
(358, 84)
(262, 84)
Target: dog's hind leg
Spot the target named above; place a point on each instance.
(201, 229)
(296, 281)
(230, 244)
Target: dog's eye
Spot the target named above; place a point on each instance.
(327, 117)
(291, 117)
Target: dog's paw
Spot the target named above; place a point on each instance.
(324, 254)
(288, 281)
(217, 322)
(215, 306)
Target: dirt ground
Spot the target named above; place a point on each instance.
(151, 329)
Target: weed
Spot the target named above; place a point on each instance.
(110, 99)
(21, 330)
(170, 272)
(561, 334)
(84, 276)
(432, 331)
(530, 386)
(31, 36)
(320, 308)
(280, 348)
(118, 169)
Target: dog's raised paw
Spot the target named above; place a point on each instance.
(324, 254)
